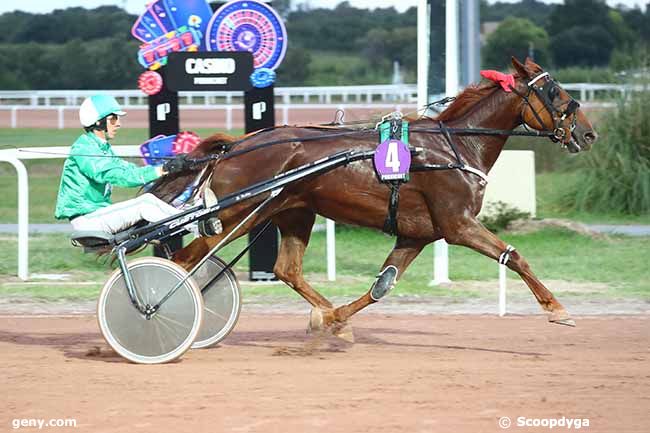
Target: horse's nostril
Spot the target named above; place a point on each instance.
(590, 137)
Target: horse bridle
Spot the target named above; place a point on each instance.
(547, 93)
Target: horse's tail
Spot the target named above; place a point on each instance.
(167, 188)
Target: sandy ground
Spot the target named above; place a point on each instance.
(405, 373)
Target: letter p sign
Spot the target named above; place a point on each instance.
(162, 110)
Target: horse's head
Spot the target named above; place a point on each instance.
(548, 107)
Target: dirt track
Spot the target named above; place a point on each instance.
(404, 374)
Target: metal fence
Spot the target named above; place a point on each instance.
(222, 116)
(388, 93)
(285, 95)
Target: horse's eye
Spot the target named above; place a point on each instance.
(553, 93)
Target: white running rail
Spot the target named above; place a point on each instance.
(307, 94)
(287, 95)
(15, 157)
(186, 111)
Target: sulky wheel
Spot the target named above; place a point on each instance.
(222, 303)
(170, 331)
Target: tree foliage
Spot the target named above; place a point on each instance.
(536, 11)
(586, 32)
(63, 25)
(517, 37)
(582, 46)
(100, 64)
(294, 70)
(93, 48)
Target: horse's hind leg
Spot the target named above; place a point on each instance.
(471, 233)
(295, 227)
(404, 252)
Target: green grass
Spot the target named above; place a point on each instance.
(618, 262)
(550, 189)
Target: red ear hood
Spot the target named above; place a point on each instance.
(507, 81)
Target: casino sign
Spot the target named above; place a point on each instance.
(196, 71)
(248, 25)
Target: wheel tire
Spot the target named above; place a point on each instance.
(222, 303)
(170, 332)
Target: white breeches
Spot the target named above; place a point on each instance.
(120, 216)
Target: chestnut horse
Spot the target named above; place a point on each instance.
(433, 204)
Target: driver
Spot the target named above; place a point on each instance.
(92, 169)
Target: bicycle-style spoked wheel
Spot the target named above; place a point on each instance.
(170, 331)
(222, 302)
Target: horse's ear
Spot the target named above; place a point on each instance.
(520, 68)
(532, 67)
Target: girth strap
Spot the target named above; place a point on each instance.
(390, 223)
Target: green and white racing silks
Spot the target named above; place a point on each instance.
(88, 174)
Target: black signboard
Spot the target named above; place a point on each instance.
(212, 71)
(259, 111)
(163, 119)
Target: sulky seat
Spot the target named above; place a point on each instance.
(92, 241)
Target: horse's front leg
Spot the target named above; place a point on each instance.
(404, 252)
(190, 255)
(295, 226)
(471, 233)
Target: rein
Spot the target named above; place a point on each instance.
(441, 130)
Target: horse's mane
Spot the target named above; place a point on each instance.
(466, 100)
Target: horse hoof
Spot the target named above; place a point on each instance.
(345, 333)
(316, 320)
(561, 317)
(319, 319)
(566, 322)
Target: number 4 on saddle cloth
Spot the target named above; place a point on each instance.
(392, 163)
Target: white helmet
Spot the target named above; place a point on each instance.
(96, 108)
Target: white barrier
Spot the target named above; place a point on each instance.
(323, 94)
(306, 94)
(14, 157)
(23, 214)
(285, 109)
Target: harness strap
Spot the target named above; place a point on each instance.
(505, 256)
(537, 116)
(460, 164)
(475, 171)
(390, 224)
(447, 135)
(539, 77)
